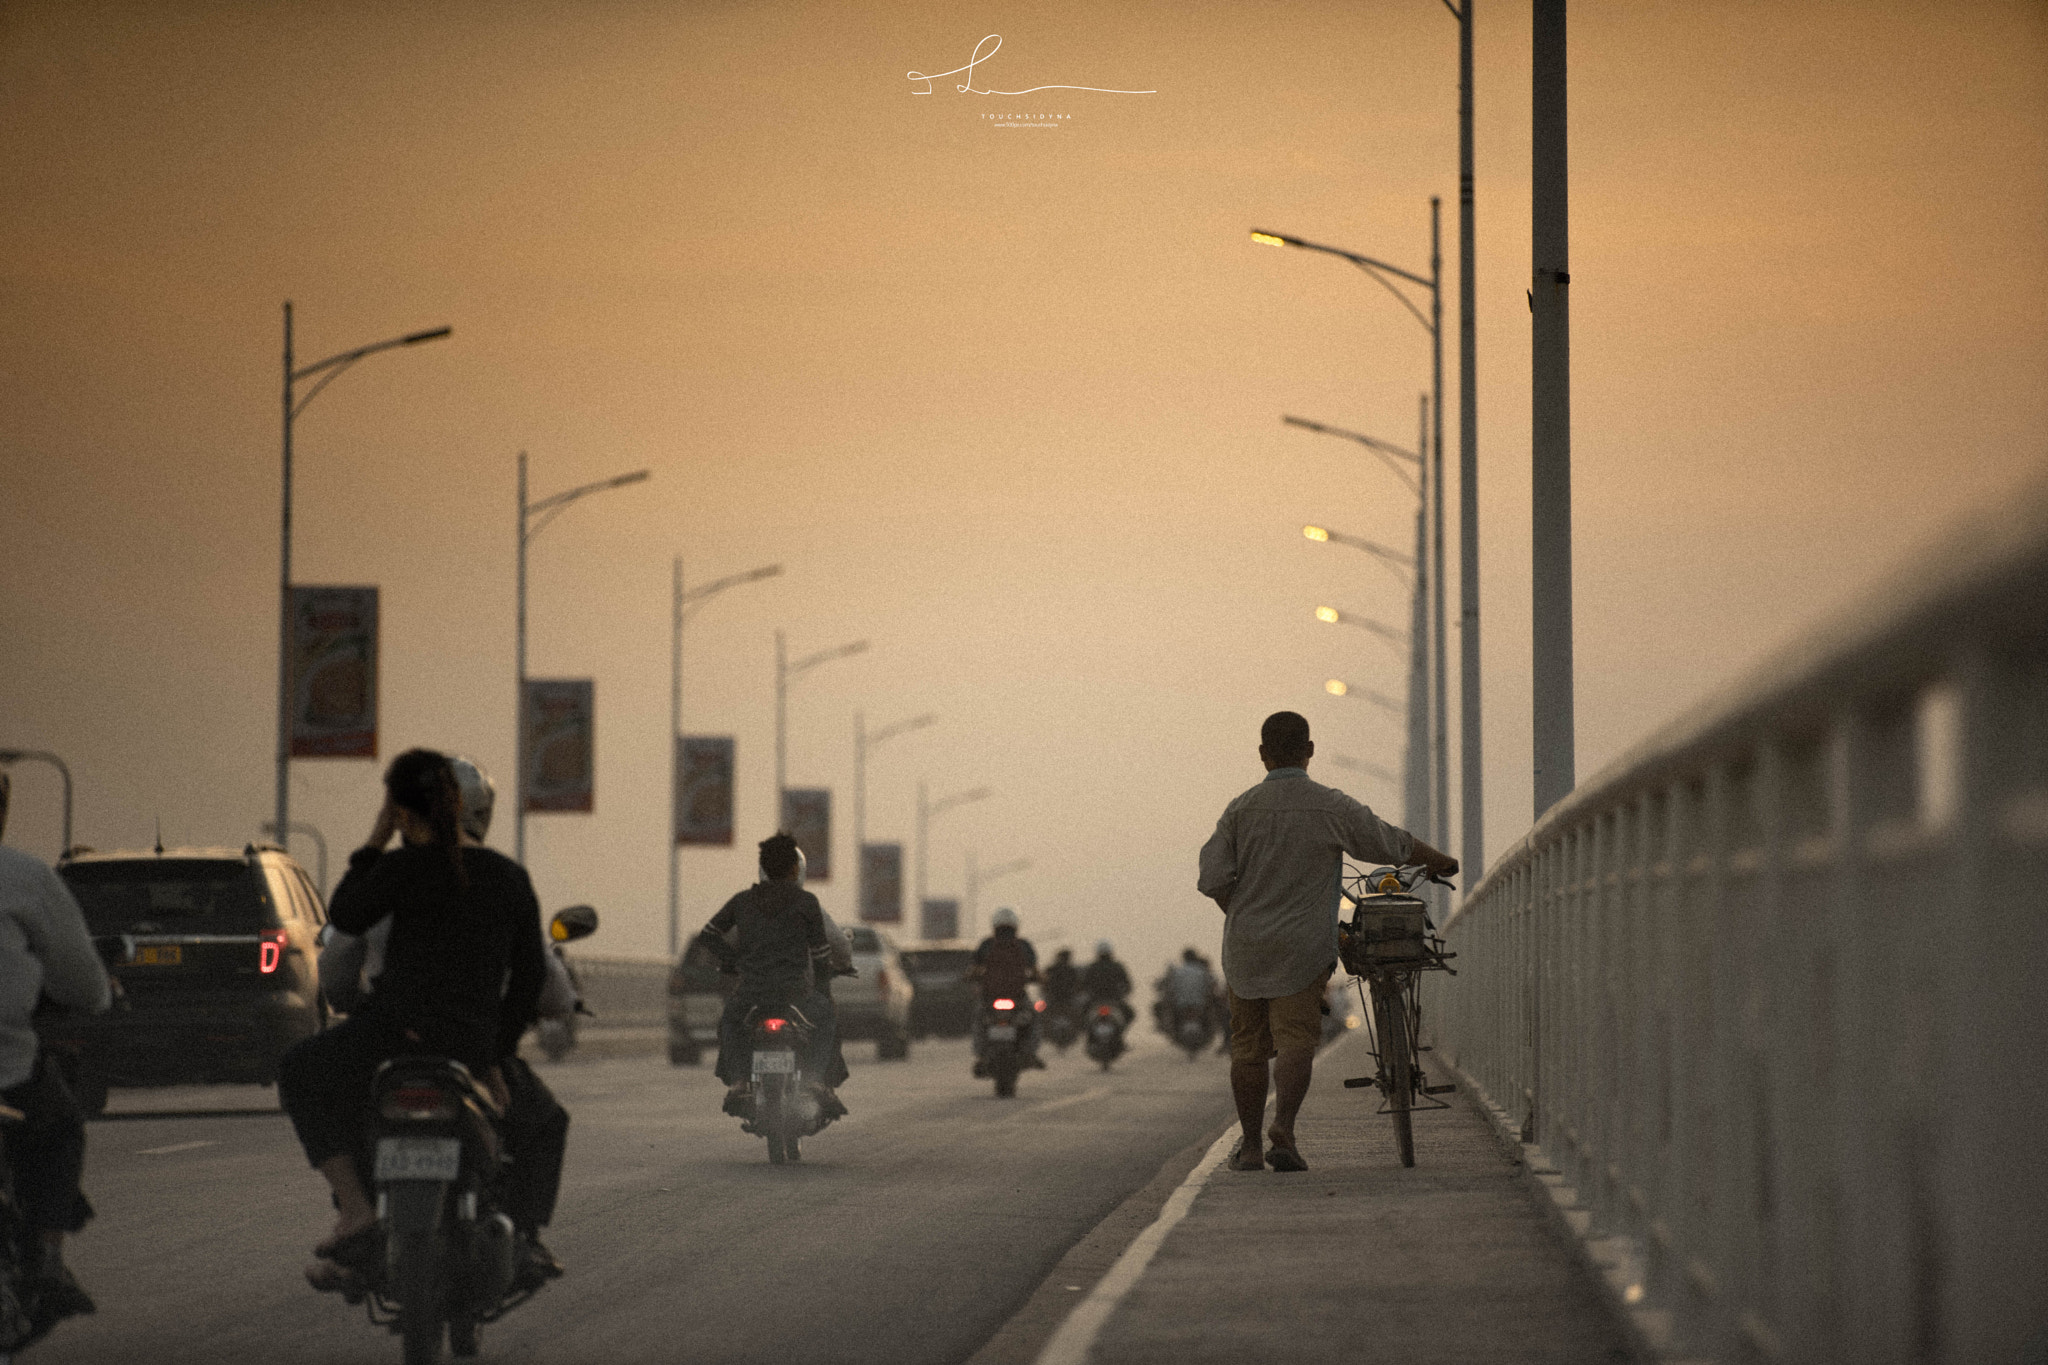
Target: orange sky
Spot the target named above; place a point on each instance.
(1004, 400)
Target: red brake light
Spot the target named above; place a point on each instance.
(1038, 1005)
(881, 980)
(1102, 1011)
(419, 1102)
(774, 1025)
(271, 950)
(1004, 1004)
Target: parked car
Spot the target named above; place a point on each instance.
(216, 956)
(877, 1003)
(696, 997)
(945, 999)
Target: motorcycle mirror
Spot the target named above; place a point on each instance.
(572, 923)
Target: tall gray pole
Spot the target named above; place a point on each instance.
(973, 897)
(781, 721)
(1415, 797)
(284, 603)
(1439, 767)
(860, 809)
(1471, 774)
(1551, 412)
(924, 818)
(519, 686)
(675, 753)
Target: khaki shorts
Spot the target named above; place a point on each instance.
(1262, 1029)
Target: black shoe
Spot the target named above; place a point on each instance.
(537, 1265)
(980, 1069)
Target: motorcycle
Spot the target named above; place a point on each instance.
(556, 1034)
(1193, 1029)
(1006, 1026)
(1063, 1024)
(449, 1251)
(779, 1106)
(1105, 1033)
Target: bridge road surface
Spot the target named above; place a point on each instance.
(909, 1232)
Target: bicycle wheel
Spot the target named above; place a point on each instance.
(1397, 1061)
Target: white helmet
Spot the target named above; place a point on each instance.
(1102, 948)
(1005, 918)
(478, 796)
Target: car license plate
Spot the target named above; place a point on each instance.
(418, 1158)
(1002, 1033)
(778, 1063)
(160, 955)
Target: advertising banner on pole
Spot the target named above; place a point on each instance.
(807, 815)
(704, 768)
(560, 718)
(941, 918)
(334, 672)
(881, 883)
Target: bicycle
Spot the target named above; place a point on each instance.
(1387, 946)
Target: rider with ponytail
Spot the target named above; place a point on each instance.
(454, 983)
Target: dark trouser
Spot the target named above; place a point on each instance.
(536, 1137)
(47, 1150)
(821, 1059)
(323, 1082)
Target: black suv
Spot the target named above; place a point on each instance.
(216, 954)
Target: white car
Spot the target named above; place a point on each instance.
(875, 1004)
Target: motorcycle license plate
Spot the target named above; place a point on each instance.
(1002, 1033)
(160, 955)
(418, 1158)
(779, 1063)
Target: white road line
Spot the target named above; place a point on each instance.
(1074, 1341)
(176, 1147)
(1093, 1093)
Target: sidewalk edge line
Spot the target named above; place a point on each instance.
(1075, 1339)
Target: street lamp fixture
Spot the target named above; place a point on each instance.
(864, 740)
(978, 878)
(1323, 535)
(784, 671)
(329, 370)
(682, 605)
(1331, 616)
(1337, 687)
(535, 517)
(928, 811)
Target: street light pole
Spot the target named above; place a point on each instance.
(329, 370)
(1551, 413)
(928, 811)
(680, 605)
(784, 671)
(976, 879)
(546, 510)
(1471, 773)
(8, 756)
(862, 742)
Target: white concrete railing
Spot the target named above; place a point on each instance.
(1772, 992)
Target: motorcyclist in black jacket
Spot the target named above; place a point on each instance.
(1105, 981)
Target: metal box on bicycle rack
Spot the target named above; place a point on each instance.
(1385, 931)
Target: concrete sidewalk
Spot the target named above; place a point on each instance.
(1360, 1259)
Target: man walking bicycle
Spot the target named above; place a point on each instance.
(1273, 867)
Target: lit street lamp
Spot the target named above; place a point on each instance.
(1337, 687)
(329, 370)
(863, 741)
(784, 671)
(11, 756)
(1331, 616)
(533, 519)
(681, 606)
(1433, 474)
(928, 811)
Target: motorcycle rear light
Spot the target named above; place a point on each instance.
(418, 1104)
(1038, 1005)
(1005, 1004)
(881, 981)
(1102, 1011)
(774, 1025)
(270, 951)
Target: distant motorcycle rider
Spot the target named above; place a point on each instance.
(46, 951)
(1106, 982)
(1004, 965)
(1062, 981)
(773, 936)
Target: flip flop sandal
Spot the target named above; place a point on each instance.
(1283, 1157)
(1239, 1163)
(361, 1253)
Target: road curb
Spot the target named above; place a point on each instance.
(1021, 1339)
(1614, 1262)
